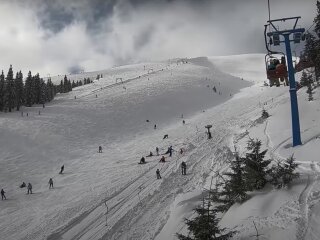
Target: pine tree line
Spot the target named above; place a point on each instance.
(14, 92)
(79, 83)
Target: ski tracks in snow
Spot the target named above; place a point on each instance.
(304, 203)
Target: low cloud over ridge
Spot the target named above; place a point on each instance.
(56, 37)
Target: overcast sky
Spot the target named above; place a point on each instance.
(62, 36)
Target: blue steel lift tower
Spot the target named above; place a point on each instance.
(275, 39)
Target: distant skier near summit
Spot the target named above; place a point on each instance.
(50, 183)
(2, 195)
(29, 188)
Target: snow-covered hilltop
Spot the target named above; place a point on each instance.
(109, 195)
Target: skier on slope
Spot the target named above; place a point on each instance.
(183, 168)
(157, 150)
(158, 174)
(62, 169)
(2, 195)
(100, 149)
(170, 151)
(50, 183)
(29, 188)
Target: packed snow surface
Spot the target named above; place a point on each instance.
(109, 195)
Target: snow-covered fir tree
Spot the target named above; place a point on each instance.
(234, 188)
(256, 167)
(205, 226)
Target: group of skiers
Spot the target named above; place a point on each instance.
(163, 160)
(29, 186)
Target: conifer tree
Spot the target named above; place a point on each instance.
(10, 91)
(310, 93)
(205, 226)
(317, 20)
(19, 90)
(65, 84)
(69, 86)
(283, 173)
(61, 87)
(43, 92)
(29, 90)
(2, 91)
(289, 167)
(73, 85)
(304, 81)
(36, 88)
(234, 189)
(255, 166)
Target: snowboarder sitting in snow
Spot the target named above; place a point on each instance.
(158, 174)
(183, 168)
(100, 149)
(29, 188)
(2, 195)
(162, 159)
(165, 136)
(23, 185)
(62, 169)
(150, 154)
(50, 183)
(142, 160)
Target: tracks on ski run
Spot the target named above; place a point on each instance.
(304, 200)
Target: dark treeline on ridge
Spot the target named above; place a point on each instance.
(16, 91)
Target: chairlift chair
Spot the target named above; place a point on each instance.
(277, 73)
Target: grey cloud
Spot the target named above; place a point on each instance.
(57, 36)
(144, 37)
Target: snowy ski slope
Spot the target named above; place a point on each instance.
(109, 196)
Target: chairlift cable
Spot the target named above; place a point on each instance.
(310, 27)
